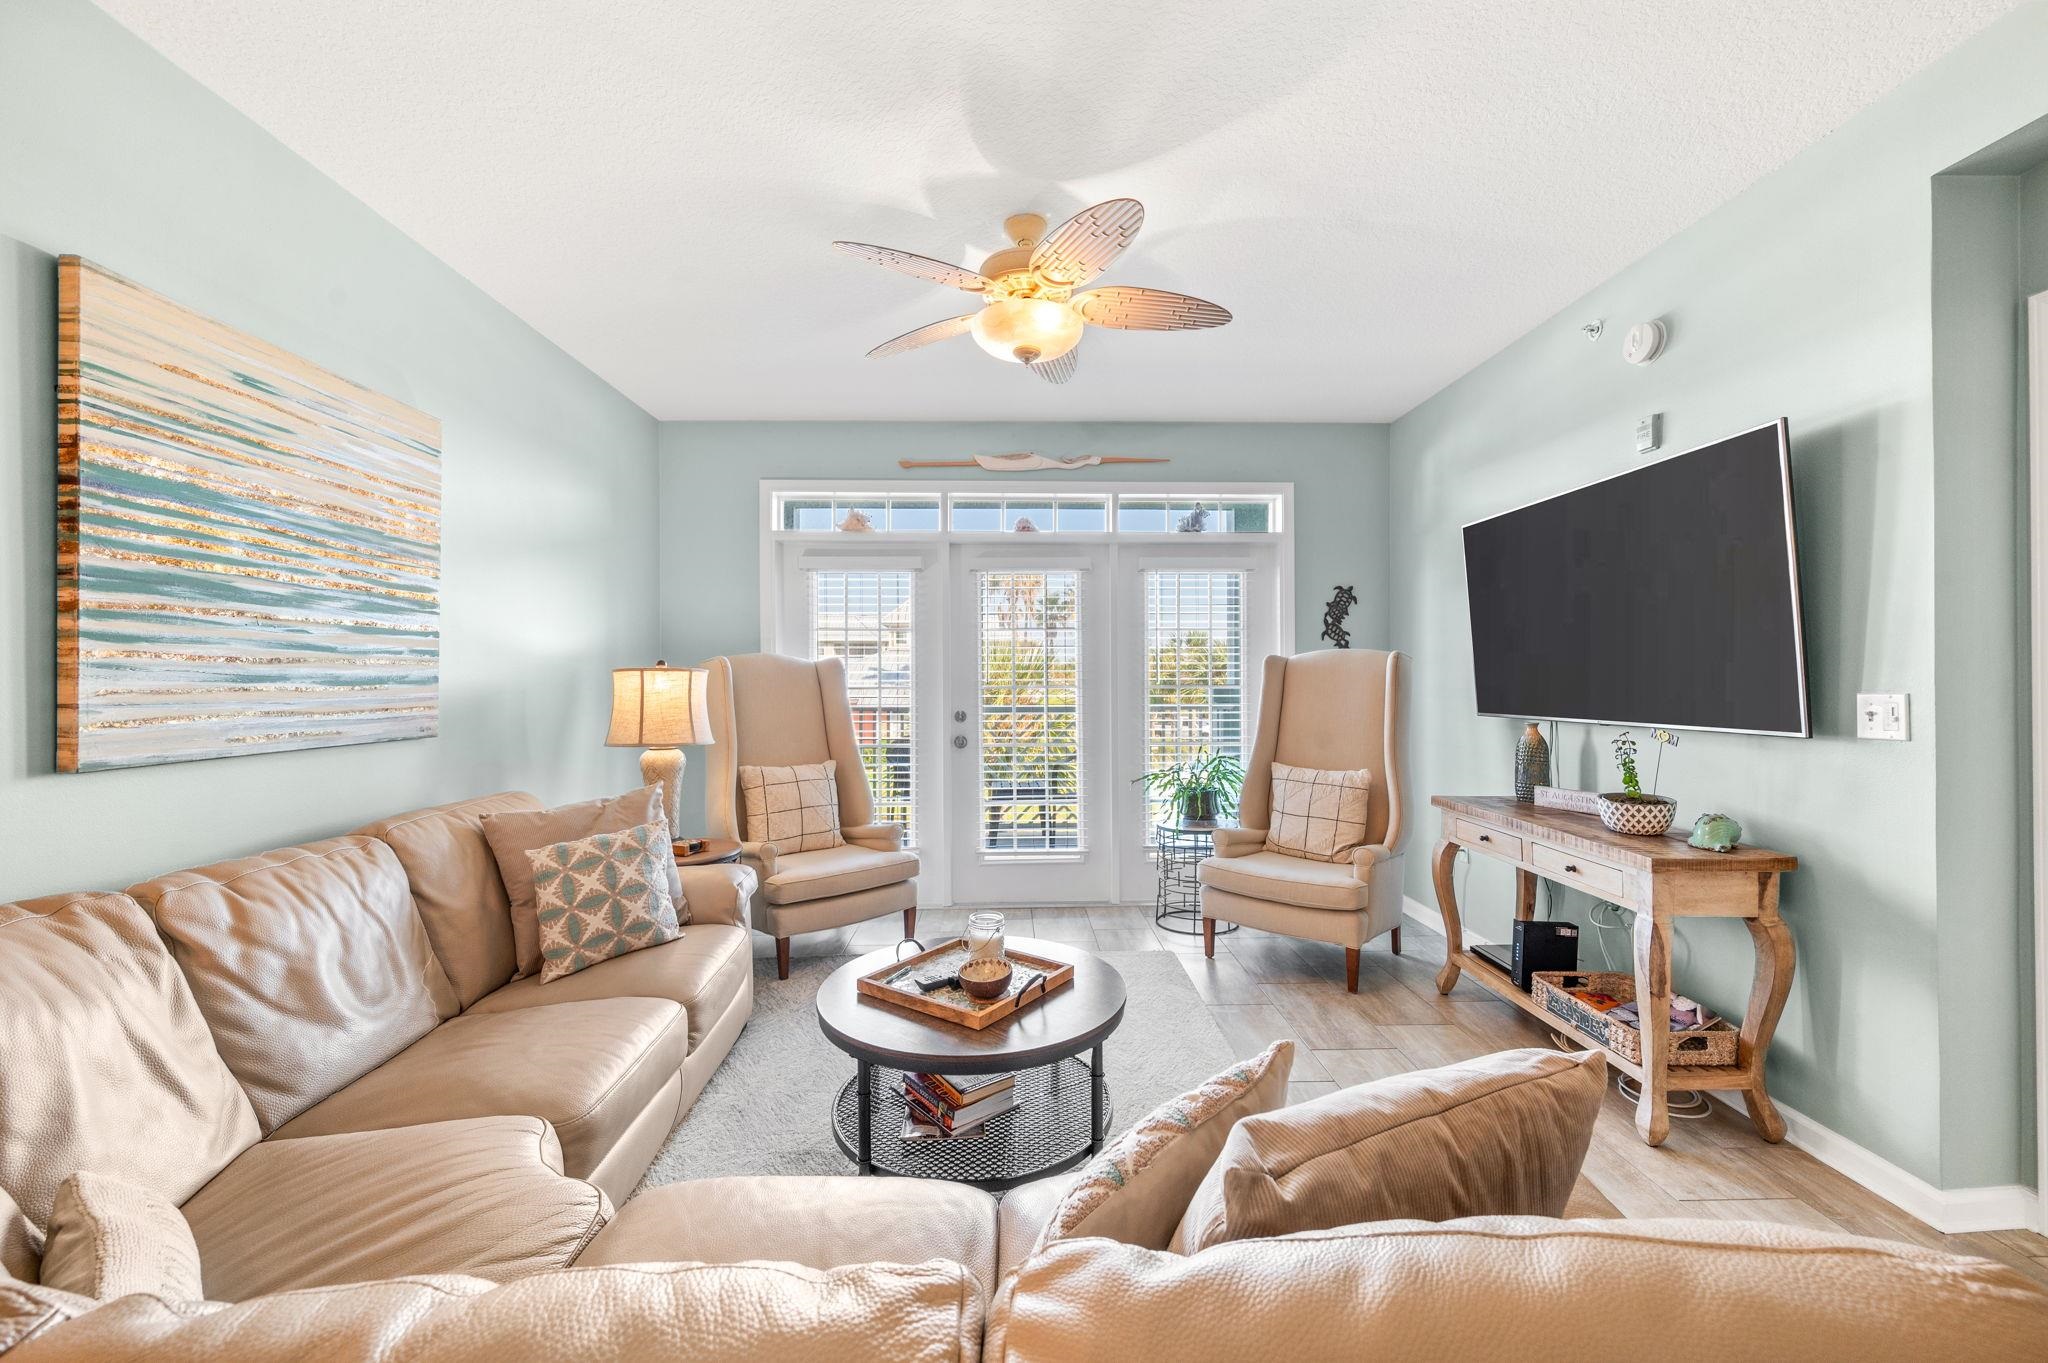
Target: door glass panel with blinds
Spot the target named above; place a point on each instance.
(1029, 650)
(869, 619)
(1194, 674)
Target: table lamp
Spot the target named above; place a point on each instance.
(660, 708)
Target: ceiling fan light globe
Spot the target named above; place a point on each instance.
(1027, 330)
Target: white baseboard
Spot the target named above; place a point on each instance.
(1953, 1211)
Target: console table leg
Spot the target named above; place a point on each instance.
(1442, 861)
(1775, 962)
(865, 1101)
(1525, 894)
(1653, 1008)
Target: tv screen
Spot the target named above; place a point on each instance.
(1668, 595)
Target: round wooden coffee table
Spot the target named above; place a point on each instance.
(1062, 1114)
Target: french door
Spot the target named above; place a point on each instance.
(1029, 729)
(1007, 695)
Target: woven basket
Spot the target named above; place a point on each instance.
(1710, 1045)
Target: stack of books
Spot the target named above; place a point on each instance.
(937, 1106)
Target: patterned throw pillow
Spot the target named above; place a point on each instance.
(602, 896)
(1318, 815)
(796, 808)
(1137, 1190)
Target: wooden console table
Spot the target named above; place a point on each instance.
(1660, 879)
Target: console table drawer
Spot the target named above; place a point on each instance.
(1489, 840)
(1580, 869)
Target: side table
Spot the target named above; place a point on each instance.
(1177, 906)
(716, 851)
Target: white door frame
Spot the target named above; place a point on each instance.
(2037, 462)
(784, 619)
(1089, 875)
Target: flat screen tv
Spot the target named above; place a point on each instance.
(1668, 595)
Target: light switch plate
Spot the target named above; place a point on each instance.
(1649, 433)
(1883, 714)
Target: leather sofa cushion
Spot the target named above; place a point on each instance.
(109, 1237)
(310, 964)
(587, 1069)
(818, 1221)
(21, 1244)
(1520, 1288)
(514, 833)
(108, 1065)
(689, 1313)
(485, 1197)
(1283, 879)
(1502, 1135)
(703, 970)
(1022, 1217)
(456, 885)
(803, 876)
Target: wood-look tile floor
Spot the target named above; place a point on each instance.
(1261, 988)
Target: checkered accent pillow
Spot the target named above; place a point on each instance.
(1318, 815)
(602, 896)
(796, 808)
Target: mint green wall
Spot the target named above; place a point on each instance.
(1984, 851)
(1810, 296)
(548, 540)
(710, 504)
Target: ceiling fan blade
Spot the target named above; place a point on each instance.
(924, 335)
(1128, 308)
(1059, 370)
(1083, 246)
(923, 267)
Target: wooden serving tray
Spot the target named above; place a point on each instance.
(893, 984)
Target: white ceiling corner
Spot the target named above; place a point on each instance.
(1384, 192)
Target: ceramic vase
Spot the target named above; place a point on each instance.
(1532, 763)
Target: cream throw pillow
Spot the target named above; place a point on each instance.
(515, 833)
(109, 1238)
(1318, 815)
(796, 808)
(1502, 1135)
(602, 896)
(1137, 1189)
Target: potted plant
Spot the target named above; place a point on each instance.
(1629, 810)
(1201, 788)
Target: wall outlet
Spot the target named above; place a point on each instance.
(1649, 433)
(1883, 715)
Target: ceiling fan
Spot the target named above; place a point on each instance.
(1030, 314)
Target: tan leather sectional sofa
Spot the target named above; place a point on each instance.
(322, 1054)
(387, 1148)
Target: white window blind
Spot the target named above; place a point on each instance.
(1194, 673)
(1029, 641)
(869, 618)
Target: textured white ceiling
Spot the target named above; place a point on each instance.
(1385, 192)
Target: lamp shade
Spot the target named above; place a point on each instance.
(659, 707)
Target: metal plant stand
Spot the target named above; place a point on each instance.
(1178, 905)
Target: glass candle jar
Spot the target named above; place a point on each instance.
(985, 936)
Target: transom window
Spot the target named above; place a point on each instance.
(1020, 511)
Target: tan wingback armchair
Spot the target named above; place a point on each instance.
(772, 711)
(1334, 710)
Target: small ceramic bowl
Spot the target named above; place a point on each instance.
(985, 979)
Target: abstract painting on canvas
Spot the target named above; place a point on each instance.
(249, 547)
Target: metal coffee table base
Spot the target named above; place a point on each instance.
(1061, 1118)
